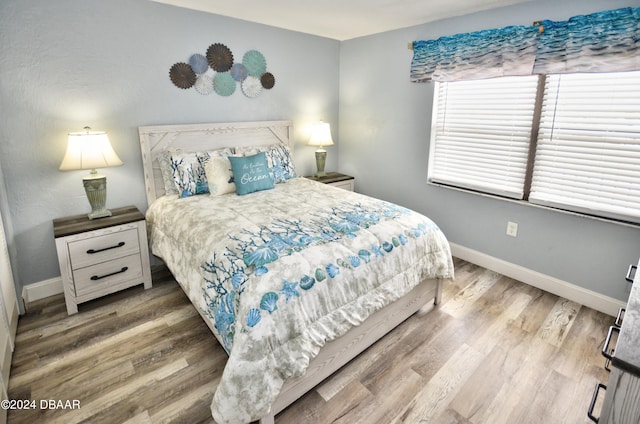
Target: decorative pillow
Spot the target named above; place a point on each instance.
(251, 173)
(167, 173)
(278, 157)
(188, 172)
(219, 176)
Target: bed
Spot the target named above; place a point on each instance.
(293, 277)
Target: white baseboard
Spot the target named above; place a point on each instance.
(41, 289)
(53, 286)
(589, 298)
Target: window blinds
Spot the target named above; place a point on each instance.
(480, 134)
(588, 151)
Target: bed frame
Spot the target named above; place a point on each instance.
(156, 139)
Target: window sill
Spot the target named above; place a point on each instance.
(534, 205)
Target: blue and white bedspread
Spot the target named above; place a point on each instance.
(281, 272)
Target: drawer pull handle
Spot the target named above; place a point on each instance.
(632, 270)
(594, 399)
(100, 277)
(92, 251)
(620, 317)
(605, 348)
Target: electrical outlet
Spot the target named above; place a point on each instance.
(512, 229)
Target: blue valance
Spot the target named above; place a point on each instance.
(601, 42)
(482, 54)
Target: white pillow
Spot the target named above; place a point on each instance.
(219, 176)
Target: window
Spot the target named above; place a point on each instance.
(480, 134)
(578, 150)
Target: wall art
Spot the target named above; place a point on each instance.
(217, 71)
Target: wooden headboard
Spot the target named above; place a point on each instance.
(199, 137)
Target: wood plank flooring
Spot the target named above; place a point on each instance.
(494, 351)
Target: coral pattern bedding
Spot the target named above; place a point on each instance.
(280, 272)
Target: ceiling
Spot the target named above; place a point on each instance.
(341, 19)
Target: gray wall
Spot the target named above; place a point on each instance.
(71, 63)
(384, 142)
(65, 64)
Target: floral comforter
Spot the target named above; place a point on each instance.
(281, 272)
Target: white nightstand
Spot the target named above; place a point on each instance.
(101, 256)
(336, 179)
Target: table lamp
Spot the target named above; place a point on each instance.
(321, 136)
(90, 150)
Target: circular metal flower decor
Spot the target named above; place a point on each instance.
(255, 63)
(268, 80)
(251, 87)
(239, 72)
(198, 63)
(219, 57)
(224, 84)
(182, 75)
(204, 84)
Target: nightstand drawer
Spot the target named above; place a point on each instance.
(345, 185)
(104, 276)
(336, 179)
(104, 248)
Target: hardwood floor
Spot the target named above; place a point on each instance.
(494, 351)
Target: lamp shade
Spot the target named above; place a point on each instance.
(89, 150)
(321, 135)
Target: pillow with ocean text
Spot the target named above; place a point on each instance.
(279, 159)
(251, 173)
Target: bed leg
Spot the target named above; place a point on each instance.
(438, 297)
(269, 419)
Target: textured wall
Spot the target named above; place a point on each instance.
(65, 64)
(384, 131)
(71, 63)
